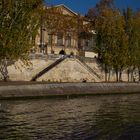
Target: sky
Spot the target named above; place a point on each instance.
(82, 6)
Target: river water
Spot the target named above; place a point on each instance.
(109, 117)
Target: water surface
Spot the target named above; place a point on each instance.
(110, 117)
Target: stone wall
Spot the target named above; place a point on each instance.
(21, 72)
(94, 65)
(30, 90)
(70, 70)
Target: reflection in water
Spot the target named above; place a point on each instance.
(91, 118)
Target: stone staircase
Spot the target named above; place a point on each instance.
(92, 70)
(58, 61)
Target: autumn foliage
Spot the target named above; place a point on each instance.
(117, 39)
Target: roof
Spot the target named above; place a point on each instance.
(68, 9)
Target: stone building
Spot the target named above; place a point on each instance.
(49, 43)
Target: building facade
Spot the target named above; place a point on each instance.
(59, 42)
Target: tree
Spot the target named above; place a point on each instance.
(111, 38)
(18, 27)
(137, 41)
(132, 25)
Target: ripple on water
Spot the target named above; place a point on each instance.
(97, 117)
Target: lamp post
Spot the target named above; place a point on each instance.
(42, 42)
(42, 45)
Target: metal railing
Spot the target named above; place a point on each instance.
(83, 61)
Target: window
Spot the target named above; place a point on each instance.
(68, 41)
(59, 39)
(87, 43)
(49, 38)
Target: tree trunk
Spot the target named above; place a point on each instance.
(105, 73)
(120, 75)
(132, 75)
(4, 70)
(128, 73)
(105, 76)
(139, 74)
(117, 78)
(109, 75)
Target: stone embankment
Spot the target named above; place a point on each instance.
(41, 90)
(72, 69)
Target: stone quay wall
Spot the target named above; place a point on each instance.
(41, 90)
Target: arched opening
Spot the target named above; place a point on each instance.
(62, 52)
